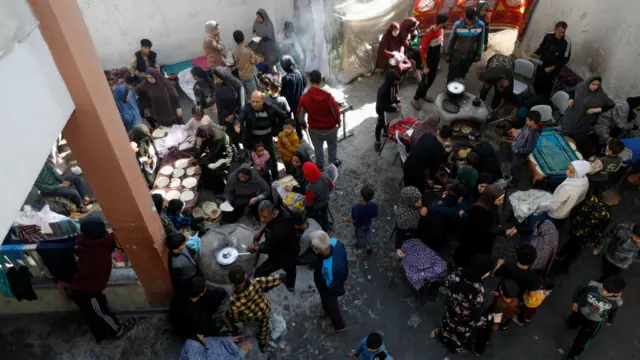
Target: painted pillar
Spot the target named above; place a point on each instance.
(98, 139)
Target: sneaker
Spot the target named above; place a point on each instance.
(377, 146)
(517, 321)
(126, 327)
(359, 251)
(330, 330)
(369, 250)
(338, 163)
(416, 104)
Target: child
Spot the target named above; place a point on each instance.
(588, 223)
(371, 348)
(606, 165)
(519, 272)
(361, 215)
(244, 60)
(524, 145)
(182, 266)
(483, 15)
(262, 66)
(261, 161)
(143, 58)
(288, 143)
(387, 101)
(174, 212)
(467, 174)
(502, 310)
(533, 299)
(594, 303)
(621, 245)
(275, 99)
(454, 203)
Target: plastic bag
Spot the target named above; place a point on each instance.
(524, 202)
(277, 327)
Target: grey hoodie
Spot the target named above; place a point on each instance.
(621, 249)
(594, 305)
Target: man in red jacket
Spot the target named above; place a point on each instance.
(323, 116)
(93, 255)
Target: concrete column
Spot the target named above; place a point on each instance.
(97, 137)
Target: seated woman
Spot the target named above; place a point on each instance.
(454, 204)
(622, 117)
(214, 157)
(408, 214)
(49, 183)
(567, 195)
(245, 188)
(145, 152)
(297, 161)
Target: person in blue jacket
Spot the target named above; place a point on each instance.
(371, 348)
(330, 276)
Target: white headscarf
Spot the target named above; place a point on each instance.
(581, 169)
(210, 26)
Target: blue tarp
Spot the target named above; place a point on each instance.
(553, 154)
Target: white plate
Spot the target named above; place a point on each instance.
(173, 194)
(191, 171)
(159, 191)
(167, 170)
(187, 195)
(178, 173)
(162, 181)
(158, 133)
(182, 163)
(175, 182)
(209, 206)
(189, 182)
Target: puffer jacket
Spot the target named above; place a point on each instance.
(621, 249)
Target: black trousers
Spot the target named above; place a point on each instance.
(381, 124)
(332, 310)
(571, 249)
(609, 269)
(95, 309)
(267, 140)
(588, 330)
(428, 80)
(321, 215)
(518, 168)
(459, 67)
(273, 264)
(543, 82)
(238, 210)
(482, 339)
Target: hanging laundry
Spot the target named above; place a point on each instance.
(5, 288)
(58, 257)
(20, 283)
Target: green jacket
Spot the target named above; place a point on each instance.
(48, 180)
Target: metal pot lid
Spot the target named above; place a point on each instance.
(227, 256)
(450, 106)
(455, 87)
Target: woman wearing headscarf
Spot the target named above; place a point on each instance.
(292, 87)
(142, 145)
(127, 104)
(408, 213)
(482, 226)
(212, 45)
(230, 98)
(167, 224)
(162, 97)
(408, 32)
(545, 240)
(389, 44)
(621, 117)
(387, 104)
(263, 28)
(464, 308)
(245, 188)
(567, 195)
(214, 157)
(297, 161)
(203, 89)
(587, 101)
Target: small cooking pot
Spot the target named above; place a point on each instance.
(455, 90)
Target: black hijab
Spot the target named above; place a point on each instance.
(93, 228)
(158, 202)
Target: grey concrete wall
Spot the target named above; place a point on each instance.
(604, 37)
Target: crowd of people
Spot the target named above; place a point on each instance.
(256, 101)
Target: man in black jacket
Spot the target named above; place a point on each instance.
(281, 243)
(554, 52)
(143, 58)
(259, 120)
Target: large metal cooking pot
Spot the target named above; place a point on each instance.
(455, 90)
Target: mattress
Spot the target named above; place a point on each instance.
(553, 154)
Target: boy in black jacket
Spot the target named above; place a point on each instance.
(386, 102)
(594, 303)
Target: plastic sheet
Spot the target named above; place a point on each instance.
(524, 202)
(186, 82)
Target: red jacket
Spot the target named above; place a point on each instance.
(323, 112)
(94, 264)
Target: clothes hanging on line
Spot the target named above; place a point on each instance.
(20, 283)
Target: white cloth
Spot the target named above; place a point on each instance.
(526, 203)
(41, 218)
(567, 195)
(186, 82)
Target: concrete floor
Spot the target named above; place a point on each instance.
(380, 299)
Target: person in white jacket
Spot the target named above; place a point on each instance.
(567, 195)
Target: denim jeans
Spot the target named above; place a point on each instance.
(363, 237)
(75, 195)
(249, 86)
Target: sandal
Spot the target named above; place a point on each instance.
(428, 99)
(416, 105)
(127, 326)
